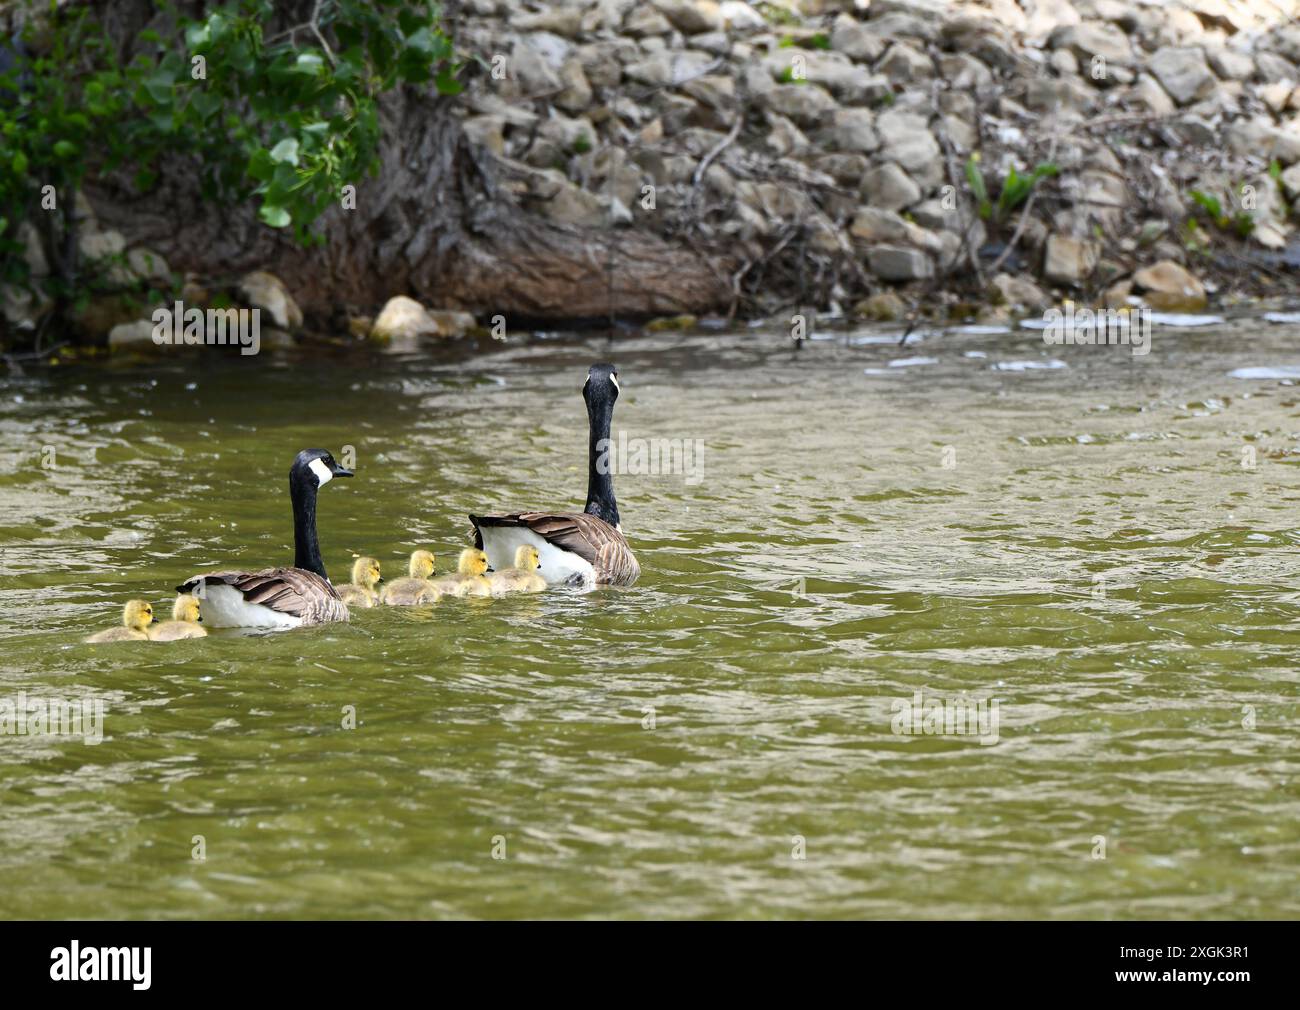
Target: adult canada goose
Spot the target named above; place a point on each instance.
(416, 588)
(184, 623)
(523, 577)
(136, 617)
(584, 548)
(468, 579)
(360, 592)
(280, 597)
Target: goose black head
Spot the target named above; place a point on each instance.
(601, 387)
(317, 464)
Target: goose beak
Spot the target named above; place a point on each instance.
(339, 471)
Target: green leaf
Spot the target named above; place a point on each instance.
(65, 149)
(446, 82)
(276, 217)
(197, 35)
(411, 21)
(20, 163)
(159, 87)
(205, 104)
(286, 151)
(309, 62)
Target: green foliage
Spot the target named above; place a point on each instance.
(1014, 191)
(1210, 204)
(819, 41)
(1242, 222)
(289, 117)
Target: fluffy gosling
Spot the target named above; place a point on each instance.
(136, 617)
(468, 579)
(360, 592)
(415, 589)
(523, 577)
(184, 623)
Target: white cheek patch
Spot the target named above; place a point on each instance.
(322, 472)
(614, 379)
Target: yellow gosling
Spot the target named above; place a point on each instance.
(360, 592)
(184, 623)
(523, 577)
(416, 589)
(469, 579)
(136, 617)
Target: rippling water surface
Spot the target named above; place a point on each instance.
(1086, 543)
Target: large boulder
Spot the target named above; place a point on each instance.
(267, 292)
(1170, 288)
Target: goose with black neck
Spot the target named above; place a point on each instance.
(276, 598)
(573, 548)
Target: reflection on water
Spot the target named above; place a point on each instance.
(1106, 546)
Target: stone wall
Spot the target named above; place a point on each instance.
(657, 156)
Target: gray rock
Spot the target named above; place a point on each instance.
(856, 40)
(646, 22)
(532, 70)
(845, 169)
(715, 90)
(1020, 292)
(852, 130)
(963, 72)
(906, 64)
(98, 245)
(487, 132)
(1147, 92)
(806, 104)
(563, 21)
(601, 63)
(900, 25)
(402, 318)
(786, 139)
(265, 291)
(906, 138)
(1068, 260)
(1231, 65)
(1290, 180)
(135, 336)
(874, 225)
(576, 95)
(1275, 69)
(899, 263)
(888, 186)
(33, 250)
(691, 17)
(669, 68)
(1093, 38)
(1183, 72)
(147, 265)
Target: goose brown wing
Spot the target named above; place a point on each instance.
(590, 538)
(292, 591)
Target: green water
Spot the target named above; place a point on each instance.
(1091, 553)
